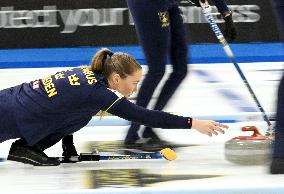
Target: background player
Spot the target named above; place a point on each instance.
(162, 34)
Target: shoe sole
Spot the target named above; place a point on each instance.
(28, 161)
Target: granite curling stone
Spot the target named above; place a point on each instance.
(249, 150)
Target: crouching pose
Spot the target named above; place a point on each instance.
(44, 111)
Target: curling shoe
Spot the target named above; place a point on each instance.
(30, 155)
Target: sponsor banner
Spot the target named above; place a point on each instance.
(71, 23)
(254, 20)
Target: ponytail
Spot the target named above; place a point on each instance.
(97, 64)
(106, 62)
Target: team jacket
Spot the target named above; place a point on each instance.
(47, 105)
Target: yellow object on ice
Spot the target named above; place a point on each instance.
(169, 154)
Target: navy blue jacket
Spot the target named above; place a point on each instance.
(42, 107)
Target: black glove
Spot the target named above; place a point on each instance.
(68, 147)
(230, 28)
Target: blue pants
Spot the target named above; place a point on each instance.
(8, 126)
(279, 128)
(278, 6)
(55, 137)
(161, 32)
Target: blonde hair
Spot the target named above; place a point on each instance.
(106, 62)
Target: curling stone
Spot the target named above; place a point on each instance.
(249, 150)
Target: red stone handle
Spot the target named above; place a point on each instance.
(252, 128)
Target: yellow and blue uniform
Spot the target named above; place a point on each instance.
(45, 110)
(160, 29)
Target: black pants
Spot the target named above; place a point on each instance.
(279, 128)
(161, 32)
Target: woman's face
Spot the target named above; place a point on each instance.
(128, 85)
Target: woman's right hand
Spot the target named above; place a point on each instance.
(208, 127)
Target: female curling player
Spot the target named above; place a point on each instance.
(44, 111)
(162, 34)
